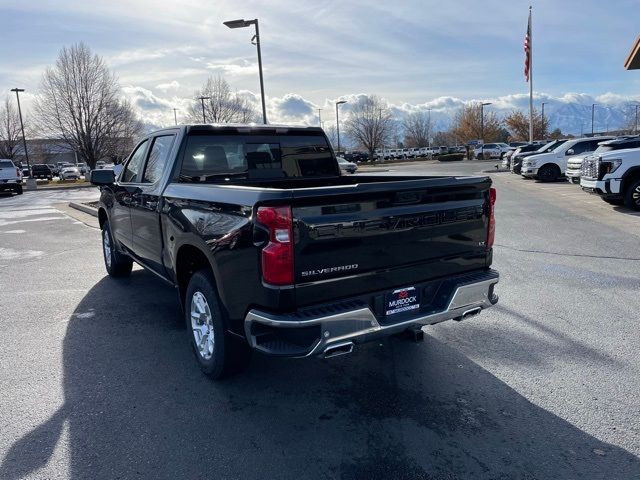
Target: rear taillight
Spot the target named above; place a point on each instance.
(18, 172)
(491, 233)
(277, 256)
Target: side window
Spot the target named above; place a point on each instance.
(132, 171)
(158, 157)
(577, 149)
(582, 147)
(592, 146)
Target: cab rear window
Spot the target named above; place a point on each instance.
(211, 158)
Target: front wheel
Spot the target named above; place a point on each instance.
(548, 173)
(117, 265)
(218, 353)
(632, 196)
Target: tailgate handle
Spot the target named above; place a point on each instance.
(407, 197)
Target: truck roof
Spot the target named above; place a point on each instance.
(242, 128)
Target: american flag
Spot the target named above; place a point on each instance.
(527, 49)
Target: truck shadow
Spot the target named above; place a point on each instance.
(136, 405)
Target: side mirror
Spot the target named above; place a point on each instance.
(570, 152)
(102, 177)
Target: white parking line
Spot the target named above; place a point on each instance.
(4, 223)
(27, 212)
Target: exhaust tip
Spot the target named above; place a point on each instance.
(469, 313)
(339, 349)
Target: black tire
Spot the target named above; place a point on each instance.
(228, 355)
(632, 196)
(19, 190)
(614, 201)
(117, 264)
(548, 173)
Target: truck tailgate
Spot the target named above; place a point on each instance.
(366, 237)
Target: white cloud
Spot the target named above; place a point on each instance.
(173, 85)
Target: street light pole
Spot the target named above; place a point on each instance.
(241, 23)
(24, 140)
(637, 118)
(593, 109)
(320, 117)
(202, 99)
(482, 105)
(338, 122)
(175, 115)
(429, 123)
(544, 130)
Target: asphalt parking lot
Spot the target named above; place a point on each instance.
(98, 380)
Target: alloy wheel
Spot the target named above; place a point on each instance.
(202, 325)
(106, 245)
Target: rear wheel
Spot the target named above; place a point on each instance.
(632, 195)
(548, 173)
(117, 264)
(218, 353)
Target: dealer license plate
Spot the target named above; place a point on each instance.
(401, 301)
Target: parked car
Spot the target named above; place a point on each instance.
(271, 249)
(522, 149)
(26, 172)
(10, 177)
(551, 166)
(70, 173)
(381, 154)
(491, 150)
(518, 157)
(574, 164)
(82, 167)
(100, 165)
(41, 170)
(614, 176)
(347, 166)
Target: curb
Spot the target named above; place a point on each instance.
(84, 208)
(61, 187)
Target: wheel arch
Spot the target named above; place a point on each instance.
(102, 217)
(190, 258)
(629, 177)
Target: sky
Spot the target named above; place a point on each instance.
(415, 54)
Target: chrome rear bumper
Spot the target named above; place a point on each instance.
(361, 324)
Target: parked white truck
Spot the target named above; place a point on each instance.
(574, 164)
(551, 166)
(614, 176)
(10, 177)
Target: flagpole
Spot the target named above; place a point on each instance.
(530, 78)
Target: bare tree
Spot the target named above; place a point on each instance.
(129, 129)
(10, 135)
(631, 118)
(518, 125)
(332, 134)
(417, 129)
(221, 105)
(467, 124)
(369, 123)
(79, 103)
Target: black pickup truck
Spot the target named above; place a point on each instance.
(270, 248)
